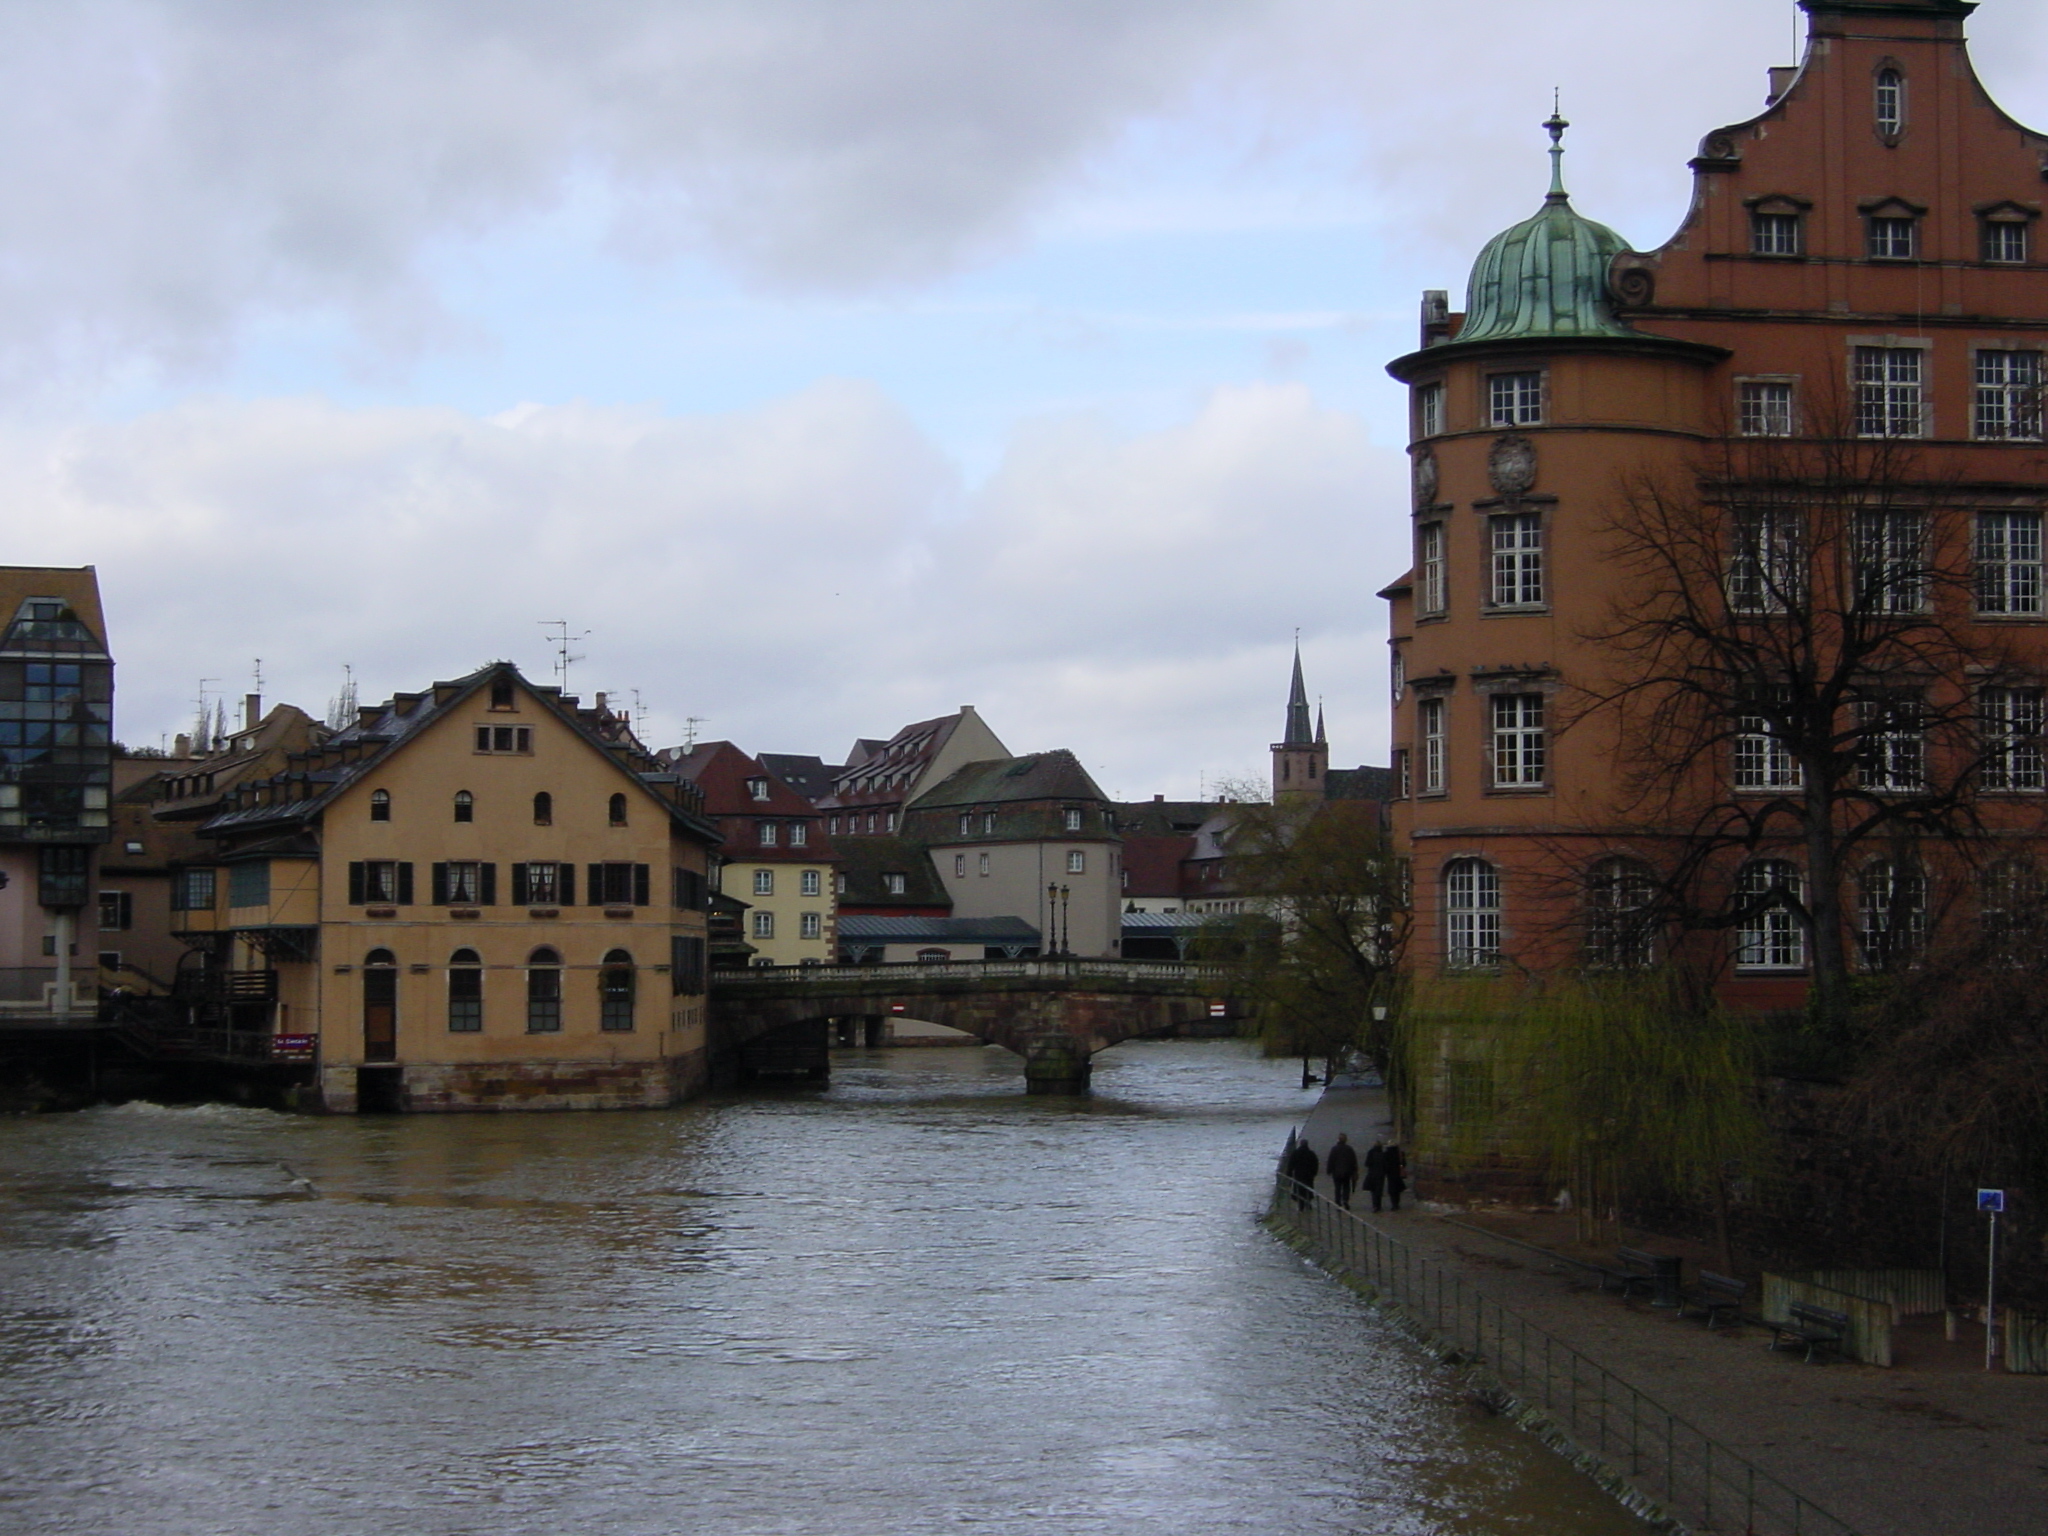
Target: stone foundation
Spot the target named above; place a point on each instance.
(448, 1088)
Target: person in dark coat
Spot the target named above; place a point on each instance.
(1302, 1167)
(1376, 1172)
(1397, 1176)
(1342, 1167)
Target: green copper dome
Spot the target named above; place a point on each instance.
(1546, 277)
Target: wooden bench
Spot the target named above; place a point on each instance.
(1653, 1274)
(1815, 1327)
(1716, 1296)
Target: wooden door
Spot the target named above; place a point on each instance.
(380, 1013)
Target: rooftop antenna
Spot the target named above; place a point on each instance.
(259, 674)
(202, 736)
(690, 724)
(563, 660)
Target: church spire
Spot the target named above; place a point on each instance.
(1322, 740)
(1298, 728)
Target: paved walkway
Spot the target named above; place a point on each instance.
(1934, 1446)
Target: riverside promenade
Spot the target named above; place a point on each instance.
(1934, 1446)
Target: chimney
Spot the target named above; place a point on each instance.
(181, 745)
(252, 710)
(1159, 799)
(1436, 316)
(600, 703)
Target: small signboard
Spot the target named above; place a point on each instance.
(1992, 1200)
(293, 1047)
(1219, 1010)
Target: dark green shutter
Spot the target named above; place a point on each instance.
(566, 876)
(440, 884)
(487, 885)
(405, 884)
(355, 883)
(595, 895)
(519, 887)
(640, 882)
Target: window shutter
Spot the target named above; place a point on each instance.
(676, 887)
(355, 883)
(566, 874)
(677, 951)
(519, 887)
(595, 895)
(405, 883)
(487, 886)
(440, 884)
(640, 885)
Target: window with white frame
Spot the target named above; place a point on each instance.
(1429, 720)
(2006, 399)
(1518, 740)
(1471, 914)
(1774, 233)
(812, 882)
(1891, 237)
(799, 834)
(1397, 671)
(1765, 572)
(1891, 914)
(1620, 902)
(1769, 936)
(2009, 562)
(2010, 723)
(757, 789)
(1517, 540)
(1762, 760)
(1429, 410)
(1892, 752)
(981, 867)
(1890, 102)
(1077, 862)
(1430, 588)
(764, 925)
(1890, 391)
(2009, 910)
(1764, 407)
(769, 832)
(1071, 818)
(966, 823)
(1515, 399)
(2004, 240)
(895, 884)
(811, 925)
(959, 866)
(1891, 562)
(764, 882)
(988, 823)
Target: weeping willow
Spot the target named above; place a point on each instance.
(1612, 1088)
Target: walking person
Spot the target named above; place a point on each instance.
(1342, 1167)
(1376, 1172)
(1397, 1175)
(1302, 1167)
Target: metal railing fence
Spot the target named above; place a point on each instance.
(1667, 1461)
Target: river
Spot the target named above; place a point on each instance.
(917, 1301)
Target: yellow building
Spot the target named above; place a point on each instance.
(476, 897)
(777, 857)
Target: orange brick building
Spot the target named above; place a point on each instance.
(1862, 262)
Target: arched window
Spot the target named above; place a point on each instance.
(465, 992)
(380, 805)
(1891, 102)
(1620, 928)
(615, 992)
(465, 805)
(1891, 913)
(543, 809)
(380, 1006)
(1770, 936)
(543, 992)
(1471, 914)
(618, 810)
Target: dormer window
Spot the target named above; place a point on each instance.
(770, 834)
(757, 789)
(1891, 102)
(501, 695)
(1073, 818)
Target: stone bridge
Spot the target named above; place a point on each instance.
(1055, 1013)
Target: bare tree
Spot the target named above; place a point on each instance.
(1796, 667)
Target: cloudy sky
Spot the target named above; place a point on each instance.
(831, 363)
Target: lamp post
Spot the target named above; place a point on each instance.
(1052, 917)
(1066, 921)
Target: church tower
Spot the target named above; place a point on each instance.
(1301, 758)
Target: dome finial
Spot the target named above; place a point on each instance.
(1557, 125)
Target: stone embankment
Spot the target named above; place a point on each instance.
(1934, 1446)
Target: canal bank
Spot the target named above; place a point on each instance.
(1934, 1446)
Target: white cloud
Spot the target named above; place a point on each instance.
(797, 574)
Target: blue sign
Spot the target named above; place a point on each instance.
(1992, 1200)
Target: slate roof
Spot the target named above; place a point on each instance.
(1160, 816)
(809, 776)
(1056, 775)
(864, 860)
(1358, 784)
(891, 929)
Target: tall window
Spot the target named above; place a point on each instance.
(543, 992)
(2006, 404)
(465, 992)
(1071, 818)
(2009, 911)
(1769, 936)
(1518, 745)
(959, 866)
(764, 882)
(615, 987)
(465, 805)
(1888, 391)
(812, 882)
(1429, 410)
(764, 925)
(1077, 862)
(1891, 562)
(615, 810)
(1890, 102)
(2010, 723)
(1764, 574)
(380, 1006)
(1517, 559)
(967, 823)
(380, 805)
(1762, 760)
(769, 833)
(543, 809)
(1891, 237)
(1893, 750)
(543, 885)
(1764, 408)
(1515, 399)
(1429, 719)
(2009, 562)
(1429, 568)
(812, 925)
(1471, 914)
(2005, 240)
(1774, 234)
(799, 834)
(462, 883)
(1619, 901)
(1891, 914)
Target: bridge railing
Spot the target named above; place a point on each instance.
(908, 974)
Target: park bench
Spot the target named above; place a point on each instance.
(1815, 1327)
(1654, 1274)
(1716, 1296)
